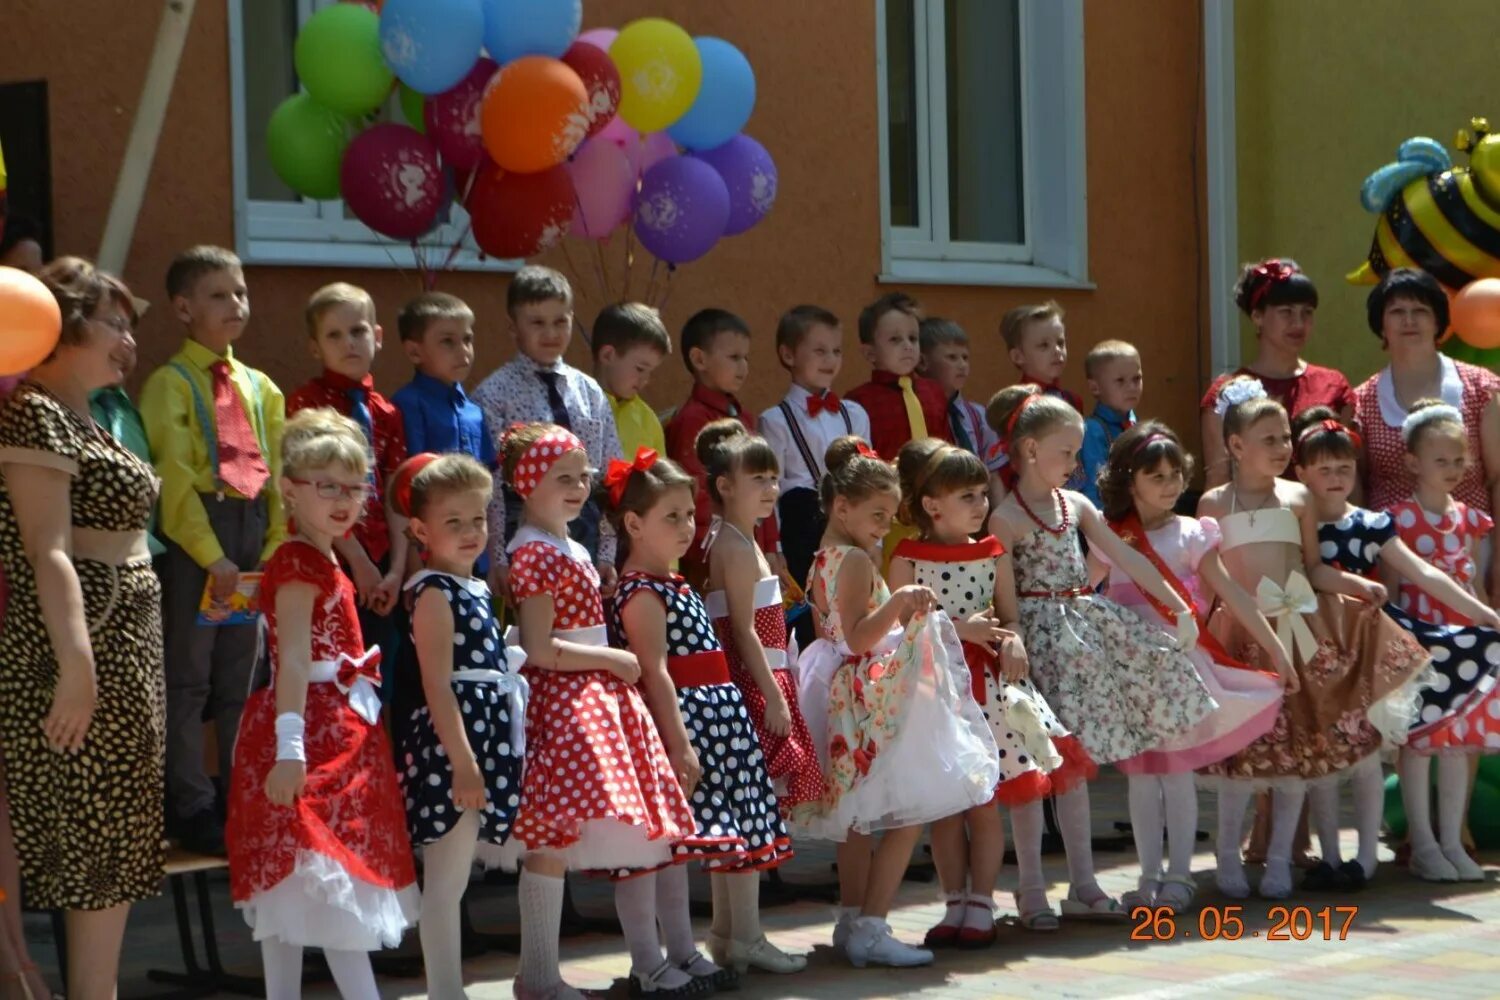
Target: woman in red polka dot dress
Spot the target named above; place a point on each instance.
(599, 791)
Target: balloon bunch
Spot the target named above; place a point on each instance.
(551, 133)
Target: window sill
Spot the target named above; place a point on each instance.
(951, 272)
(384, 256)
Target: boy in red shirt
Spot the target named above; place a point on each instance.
(903, 406)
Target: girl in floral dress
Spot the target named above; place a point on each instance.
(704, 722)
(883, 702)
(944, 493)
(318, 849)
(1356, 668)
(584, 715)
(1121, 685)
(1140, 487)
(1455, 723)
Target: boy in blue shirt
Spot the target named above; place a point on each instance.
(1113, 368)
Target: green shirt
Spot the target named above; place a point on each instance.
(114, 411)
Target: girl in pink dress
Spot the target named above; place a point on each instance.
(1146, 475)
(318, 848)
(584, 715)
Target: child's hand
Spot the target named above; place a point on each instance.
(1014, 665)
(915, 600)
(500, 580)
(1373, 591)
(688, 770)
(981, 628)
(1491, 619)
(367, 581)
(777, 562)
(1187, 630)
(226, 576)
(608, 578)
(468, 785)
(625, 666)
(385, 596)
(1284, 666)
(778, 717)
(285, 782)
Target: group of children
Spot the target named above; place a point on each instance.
(1004, 599)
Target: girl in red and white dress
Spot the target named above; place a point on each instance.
(584, 716)
(318, 849)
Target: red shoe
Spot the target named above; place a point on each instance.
(941, 936)
(976, 938)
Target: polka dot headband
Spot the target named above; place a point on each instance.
(539, 458)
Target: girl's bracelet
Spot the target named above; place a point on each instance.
(290, 729)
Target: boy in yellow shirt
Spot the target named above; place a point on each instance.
(629, 342)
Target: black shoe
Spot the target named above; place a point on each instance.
(1353, 875)
(202, 833)
(1323, 878)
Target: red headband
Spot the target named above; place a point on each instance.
(1015, 415)
(539, 457)
(404, 477)
(1332, 426)
(1148, 440)
(1267, 275)
(618, 476)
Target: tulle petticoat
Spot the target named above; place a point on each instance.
(320, 905)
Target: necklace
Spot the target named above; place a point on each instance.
(1251, 511)
(1442, 518)
(1065, 517)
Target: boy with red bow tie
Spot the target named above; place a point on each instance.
(1038, 345)
(810, 346)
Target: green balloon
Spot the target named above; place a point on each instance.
(338, 59)
(412, 104)
(305, 143)
(1395, 809)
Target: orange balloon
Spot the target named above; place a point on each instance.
(1476, 313)
(30, 321)
(534, 115)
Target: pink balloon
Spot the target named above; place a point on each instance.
(599, 38)
(643, 153)
(657, 147)
(392, 181)
(604, 184)
(452, 117)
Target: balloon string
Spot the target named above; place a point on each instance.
(629, 257)
(651, 281)
(666, 288)
(603, 271)
(573, 271)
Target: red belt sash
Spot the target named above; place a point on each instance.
(698, 669)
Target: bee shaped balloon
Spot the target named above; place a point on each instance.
(1434, 216)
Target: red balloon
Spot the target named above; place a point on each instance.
(452, 117)
(602, 78)
(392, 181)
(518, 215)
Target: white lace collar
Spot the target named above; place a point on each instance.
(1451, 388)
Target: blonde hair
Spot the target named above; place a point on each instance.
(323, 438)
(1041, 415)
(340, 293)
(1013, 324)
(1242, 416)
(454, 472)
(1106, 351)
(1430, 417)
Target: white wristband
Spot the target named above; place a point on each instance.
(289, 730)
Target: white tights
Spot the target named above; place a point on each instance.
(1164, 804)
(446, 865)
(1453, 793)
(351, 970)
(1369, 802)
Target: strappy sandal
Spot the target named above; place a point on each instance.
(1042, 918)
(724, 977)
(1144, 894)
(1106, 907)
(1177, 892)
(650, 984)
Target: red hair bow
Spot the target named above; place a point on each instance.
(1268, 274)
(405, 476)
(1331, 426)
(868, 452)
(620, 472)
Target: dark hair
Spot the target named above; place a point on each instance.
(934, 331)
(1140, 449)
(725, 447)
(193, 263)
(1406, 283)
(17, 229)
(1042, 414)
(852, 475)
(1443, 419)
(646, 486)
(701, 329)
(794, 324)
(534, 283)
(933, 468)
(871, 315)
(79, 287)
(625, 325)
(1276, 281)
(1313, 442)
(418, 314)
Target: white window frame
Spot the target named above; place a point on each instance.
(1054, 176)
(315, 233)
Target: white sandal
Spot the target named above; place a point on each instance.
(1106, 907)
(1177, 893)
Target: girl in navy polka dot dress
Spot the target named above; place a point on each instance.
(460, 746)
(1459, 711)
(706, 727)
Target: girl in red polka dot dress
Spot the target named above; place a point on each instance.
(599, 790)
(704, 722)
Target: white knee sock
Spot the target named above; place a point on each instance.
(1453, 799)
(283, 968)
(744, 904)
(352, 974)
(1416, 796)
(1323, 805)
(1234, 799)
(446, 864)
(635, 902)
(672, 911)
(1369, 806)
(1146, 823)
(722, 926)
(1179, 794)
(540, 898)
(1077, 834)
(1026, 838)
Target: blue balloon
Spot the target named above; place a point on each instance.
(724, 101)
(431, 44)
(514, 28)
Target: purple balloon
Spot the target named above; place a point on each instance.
(452, 117)
(750, 175)
(681, 209)
(392, 181)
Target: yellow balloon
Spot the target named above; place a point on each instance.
(660, 73)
